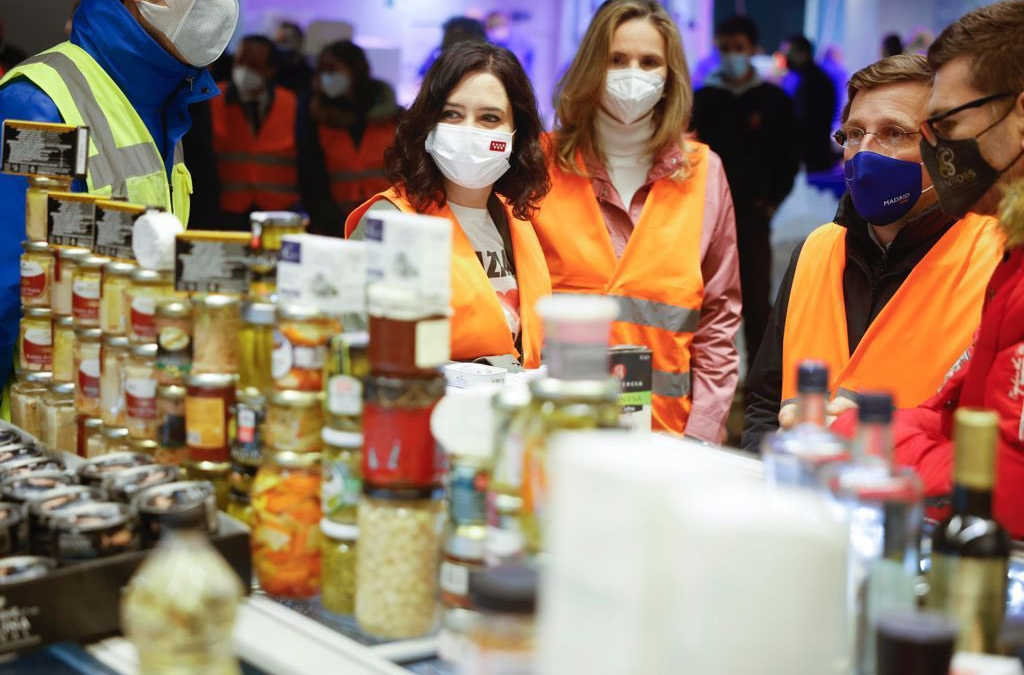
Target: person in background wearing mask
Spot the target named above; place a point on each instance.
(641, 214)
(456, 29)
(293, 72)
(254, 125)
(749, 123)
(815, 102)
(869, 293)
(130, 72)
(470, 150)
(973, 147)
(343, 133)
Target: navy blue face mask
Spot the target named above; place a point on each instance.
(883, 189)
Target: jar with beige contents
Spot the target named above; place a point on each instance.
(64, 349)
(146, 290)
(64, 264)
(27, 401)
(140, 392)
(113, 310)
(112, 364)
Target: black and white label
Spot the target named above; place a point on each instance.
(211, 266)
(71, 221)
(58, 150)
(114, 231)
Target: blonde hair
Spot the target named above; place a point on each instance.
(890, 70)
(580, 89)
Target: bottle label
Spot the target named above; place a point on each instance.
(37, 347)
(246, 433)
(433, 343)
(972, 591)
(468, 493)
(281, 358)
(344, 396)
(85, 299)
(174, 350)
(33, 279)
(206, 428)
(454, 578)
(140, 398)
(89, 378)
(143, 317)
(309, 358)
(341, 487)
(399, 449)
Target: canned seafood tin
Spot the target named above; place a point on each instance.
(93, 471)
(14, 530)
(632, 366)
(30, 465)
(31, 485)
(17, 569)
(124, 485)
(94, 530)
(42, 510)
(185, 503)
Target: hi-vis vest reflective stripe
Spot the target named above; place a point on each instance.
(260, 170)
(356, 173)
(479, 327)
(916, 338)
(124, 161)
(657, 282)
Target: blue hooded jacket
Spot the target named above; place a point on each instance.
(160, 87)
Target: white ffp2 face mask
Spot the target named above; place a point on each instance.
(471, 157)
(199, 29)
(334, 85)
(247, 80)
(631, 93)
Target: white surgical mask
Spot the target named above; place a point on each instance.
(247, 80)
(334, 84)
(470, 157)
(631, 93)
(735, 66)
(199, 29)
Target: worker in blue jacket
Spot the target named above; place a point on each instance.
(130, 72)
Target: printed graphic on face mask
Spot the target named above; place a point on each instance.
(471, 157)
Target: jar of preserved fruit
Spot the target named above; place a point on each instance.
(36, 213)
(60, 428)
(399, 541)
(174, 341)
(87, 371)
(217, 474)
(89, 439)
(342, 473)
(64, 349)
(347, 365)
(250, 421)
(86, 284)
(256, 346)
(147, 288)
(406, 340)
(140, 392)
(170, 406)
(286, 524)
(64, 264)
(295, 420)
(216, 320)
(115, 439)
(338, 594)
(114, 357)
(27, 401)
(300, 348)
(113, 305)
(36, 340)
(208, 401)
(36, 274)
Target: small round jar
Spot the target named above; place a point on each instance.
(300, 347)
(268, 230)
(113, 307)
(94, 530)
(295, 420)
(36, 207)
(146, 289)
(342, 475)
(208, 401)
(112, 367)
(338, 593)
(90, 443)
(140, 388)
(86, 285)
(406, 339)
(256, 346)
(27, 401)
(65, 262)
(216, 320)
(217, 474)
(87, 371)
(36, 340)
(36, 274)
(170, 406)
(64, 349)
(115, 439)
(174, 341)
(60, 420)
(347, 366)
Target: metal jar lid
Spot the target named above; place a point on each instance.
(66, 389)
(115, 342)
(37, 312)
(142, 276)
(119, 269)
(35, 246)
(88, 334)
(171, 392)
(344, 440)
(174, 309)
(296, 399)
(211, 381)
(339, 531)
(144, 351)
(295, 312)
(293, 460)
(93, 262)
(143, 446)
(49, 183)
(271, 219)
(215, 301)
(64, 321)
(95, 423)
(114, 433)
(259, 313)
(41, 379)
(73, 255)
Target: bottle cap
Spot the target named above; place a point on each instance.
(511, 589)
(874, 408)
(576, 330)
(976, 436)
(812, 377)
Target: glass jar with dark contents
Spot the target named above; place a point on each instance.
(94, 530)
(174, 341)
(170, 405)
(89, 439)
(406, 340)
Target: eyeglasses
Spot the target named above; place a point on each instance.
(889, 136)
(938, 126)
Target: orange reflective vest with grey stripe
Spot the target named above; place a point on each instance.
(256, 171)
(356, 174)
(657, 282)
(479, 327)
(918, 336)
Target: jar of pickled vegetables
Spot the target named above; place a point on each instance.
(87, 371)
(347, 365)
(342, 474)
(295, 420)
(268, 230)
(216, 320)
(115, 439)
(174, 341)
(89, 439)
(36, 340)
(60, 428)
(216, 473)
(64, 349)
(36, 274)
(140, 392)
(256, 346)
(300, 348)
(250, 421)
(114, 356)
(338, 594)
(113, 306)
(286, 524)
(147, 288)
(208, 401)
(240, 507)
(64, 264)
(399, 541)
(86, 284)
(170, 407)
(406, 339)
(27, 401)
(36, 214)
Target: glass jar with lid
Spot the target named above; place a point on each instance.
(140, 392)
(338, 593)
(64, 349)
(170, 406)
(115, 439)
(399, 541)
(216, 320)
(256, 346)
(174, 341)
(300, 347)
(89, 439)
(146, 289)
(64, 264)
(348, 363)
(87, 370)
(208, 401)
(406, 338)
(36, 274)
(27, 401)
(36, 213)
(114, 356)
(240, 507)
(295, 420)
(60, 428)
(113, 306)
(268, 231)
(217, 474)
(250, 415)
(342, 475)
(503, 640)
(36, 343)
(86, 284)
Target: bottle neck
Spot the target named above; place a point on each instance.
(812, 408)
(968, 501)
(874, 441)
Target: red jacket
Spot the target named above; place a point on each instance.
(991, 376)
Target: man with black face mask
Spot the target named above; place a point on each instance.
(973, 144)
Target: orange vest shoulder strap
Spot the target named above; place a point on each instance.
(392, 195)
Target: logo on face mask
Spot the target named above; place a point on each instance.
(871, 176)
(946, 167)
(901, 199)
(498, 146)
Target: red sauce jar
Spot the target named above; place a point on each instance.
(407, 339)
(208, 402)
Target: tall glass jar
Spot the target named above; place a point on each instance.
(208, 402)
(112, 364)
(338, 594)
(64, 263)
(64, 349)
(286, 524)
(504, 639)
(36, 343)
(170, 405)
(217, 474)
(36, 214)
(140, 392)
(295, 420)
(113, 306)
(256, 346)
(147, 288)
(86, 285)
(216, 320)
(342, 473)
(36, 274)
(27, 401)
(250, 428)
(87, 371)
(89, 439)
(347, 365)
(60, 428)
(406, 339)
(174, 341)
(300, 347)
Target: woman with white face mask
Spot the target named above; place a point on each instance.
(639, 213)
(469, 150)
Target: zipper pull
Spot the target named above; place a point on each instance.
(191, 84)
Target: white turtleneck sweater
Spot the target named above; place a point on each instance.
(625, 148)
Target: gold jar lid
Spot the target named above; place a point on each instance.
(41, 379)
(293, 312)
(174, 309)
(215, 300)
(93, 262)
(64, 321)
(114, 433)
(293, 460)
(88, 334)
(73, 255)
(211, 381)
(115, 342)
(94, 423)
(35, 246)
(37, 312)
(143, 446)
(259, 313)
(119, 269)
(141, 276)
(49, 183)
(171, 392)
(296, 399)
(63, 389)
(144, 351)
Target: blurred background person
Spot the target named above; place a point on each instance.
(500, 32)
(68, 24)
(342, 136)
(750, 124)
(10, 55)
(815, 102)
(456, 29)
(293, 72)
(891, 45)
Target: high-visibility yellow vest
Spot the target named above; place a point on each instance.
(124, 161)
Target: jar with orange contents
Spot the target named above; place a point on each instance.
(208, 401)
(300, 348)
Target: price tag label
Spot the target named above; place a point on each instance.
(212, 262)
(71, 219)
(114, 222)
(39, 149)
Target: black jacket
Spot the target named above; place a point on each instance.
(872, 276)
(815, 104)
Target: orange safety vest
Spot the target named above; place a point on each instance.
(258, 171)
(917, 337)
(356, 173)
(479, 327)
(657, 282)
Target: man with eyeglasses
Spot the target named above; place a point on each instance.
(868, 293)
(972, 144)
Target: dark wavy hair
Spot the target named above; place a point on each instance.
(413, 172)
